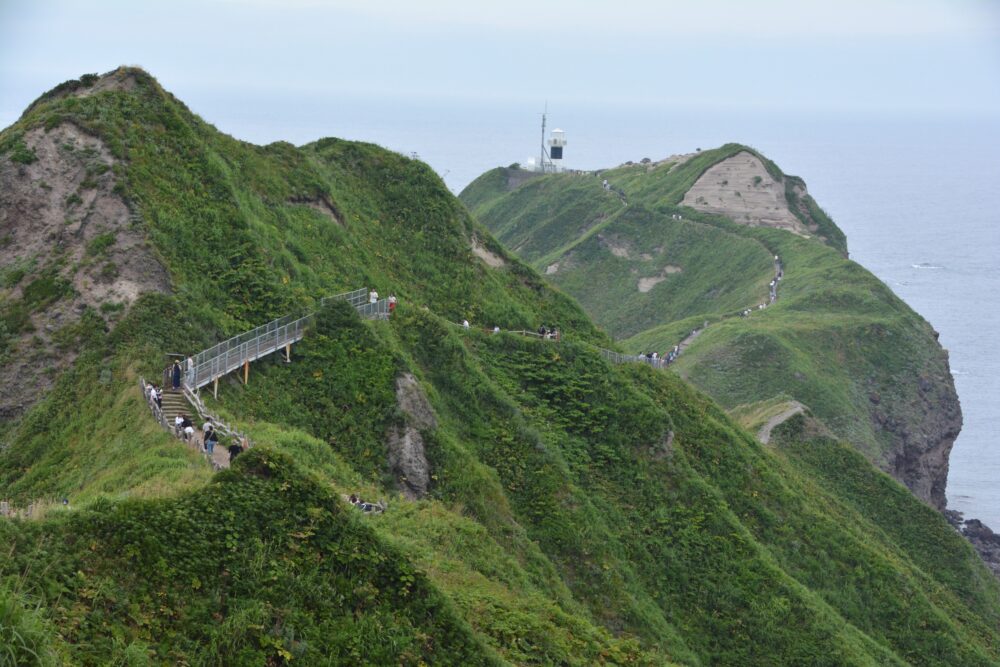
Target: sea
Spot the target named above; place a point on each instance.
(918, 197)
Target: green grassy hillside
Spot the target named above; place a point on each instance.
(837, 340)
(576, 513)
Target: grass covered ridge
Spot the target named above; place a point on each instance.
(837, 340)
(577, 513)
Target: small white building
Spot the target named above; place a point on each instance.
(556, 145)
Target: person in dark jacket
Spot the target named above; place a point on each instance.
(211, 440)
(176, 375)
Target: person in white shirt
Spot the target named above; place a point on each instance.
(178, 424)
(372, 296)
(465, 324)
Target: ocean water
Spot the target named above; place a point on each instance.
(919, 200)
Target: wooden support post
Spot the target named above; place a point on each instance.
(246, 371)
(288, 353)
(215, 388)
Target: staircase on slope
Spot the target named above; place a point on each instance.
(176, 403)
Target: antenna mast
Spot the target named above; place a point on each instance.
(544, 154)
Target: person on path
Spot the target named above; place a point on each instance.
(175, 375)
(211, 440)
(159, 397)
(496, 329)
(465, 324)
(392, 303)
(178, 425)
(235, 449)
(187, 428)
(373, 296)
(205, 428)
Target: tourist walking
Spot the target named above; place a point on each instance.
(211, 440)
(175, 375)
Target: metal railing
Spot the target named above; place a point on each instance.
(231, 354)
(619, 358)
(220, 426)
(356, 298)
(609, 355)
(378, 310)
(154, 407)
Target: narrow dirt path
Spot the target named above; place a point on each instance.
(688, 340)
(764, 434)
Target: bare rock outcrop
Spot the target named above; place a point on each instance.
(986, 543)
(407, 458)
(924, 429)
(482, 252)
(68, 245)
(742, 189)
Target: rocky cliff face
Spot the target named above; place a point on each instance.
(69, 250)
(837, 340)
(741, 188)
(923, 431)
(407, 458)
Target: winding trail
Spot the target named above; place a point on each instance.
(681, 346)
(764, 434)
(241, 350)
(746, 312)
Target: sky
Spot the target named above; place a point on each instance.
(848, 55)
(386, 70)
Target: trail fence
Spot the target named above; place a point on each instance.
(233, 353)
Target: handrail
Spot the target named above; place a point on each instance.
(219, 425)
(157, 410)
(228, 355)
(609, 355)
(203, 415)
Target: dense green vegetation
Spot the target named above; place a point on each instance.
(577, 513)
(838, 340)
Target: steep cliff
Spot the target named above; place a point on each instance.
(692, 240)
(542, 506)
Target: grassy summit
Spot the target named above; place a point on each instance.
(575, 512)
(691, 240)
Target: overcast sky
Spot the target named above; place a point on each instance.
(884, 55)
(299, 69)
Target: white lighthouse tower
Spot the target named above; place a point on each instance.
(556, 145)
(549, 158)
